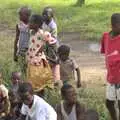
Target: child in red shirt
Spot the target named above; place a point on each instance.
(110, 47)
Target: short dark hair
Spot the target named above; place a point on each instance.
(16, 75)
(64, 49)
(115, 18)
(25, 87)
(91, 114)
(26, 9)
(48, 10)
(64, 88)
(36, 19)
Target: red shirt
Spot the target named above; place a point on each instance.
(110, 47)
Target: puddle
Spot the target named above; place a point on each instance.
(94, 47)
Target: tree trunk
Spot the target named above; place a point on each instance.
(80, 2)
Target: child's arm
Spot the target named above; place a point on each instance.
(102, 49)
(78, 77)
(54, 32)
(77, 70)
(7, 105)
(16, 42)
(58, 111)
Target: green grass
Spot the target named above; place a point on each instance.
(90, 21)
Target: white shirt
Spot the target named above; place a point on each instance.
(40, 110)
(51, 27)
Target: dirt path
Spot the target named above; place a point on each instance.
(85, 52)
(87, 55)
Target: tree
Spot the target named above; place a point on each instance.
(80, 2)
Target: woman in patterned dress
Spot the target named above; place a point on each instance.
(38, 70)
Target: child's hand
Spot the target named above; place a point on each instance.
(47, 36)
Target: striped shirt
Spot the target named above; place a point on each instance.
(23, 38)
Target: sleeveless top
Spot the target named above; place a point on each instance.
(71, 116)
(23, 38)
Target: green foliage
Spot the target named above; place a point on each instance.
(91, 20)
(52, 96)
(91, 99)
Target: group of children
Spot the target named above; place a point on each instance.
(21, 103)
(42, 60)
(44, 63)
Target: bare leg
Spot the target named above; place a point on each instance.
(111, 109)
(119, 108)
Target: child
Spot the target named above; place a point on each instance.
(34, 107)
(4, 100)
(16, 80)
(38, 72)
(49, 22)
(68, 66)
(91, 115)
(110, 47)
(13, 95)
(22, 38)
(69, 109)
(51, 49)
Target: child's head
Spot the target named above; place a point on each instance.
(48, 14)
(35, 22)
(25, 92)
(115, 22)
(91, 115)
(68, 93)
(16, 77)
(24, 14)
(63, 52)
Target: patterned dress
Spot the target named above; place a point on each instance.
(38, 70)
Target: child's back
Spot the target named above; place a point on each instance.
(67, 69)
(22, 32)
